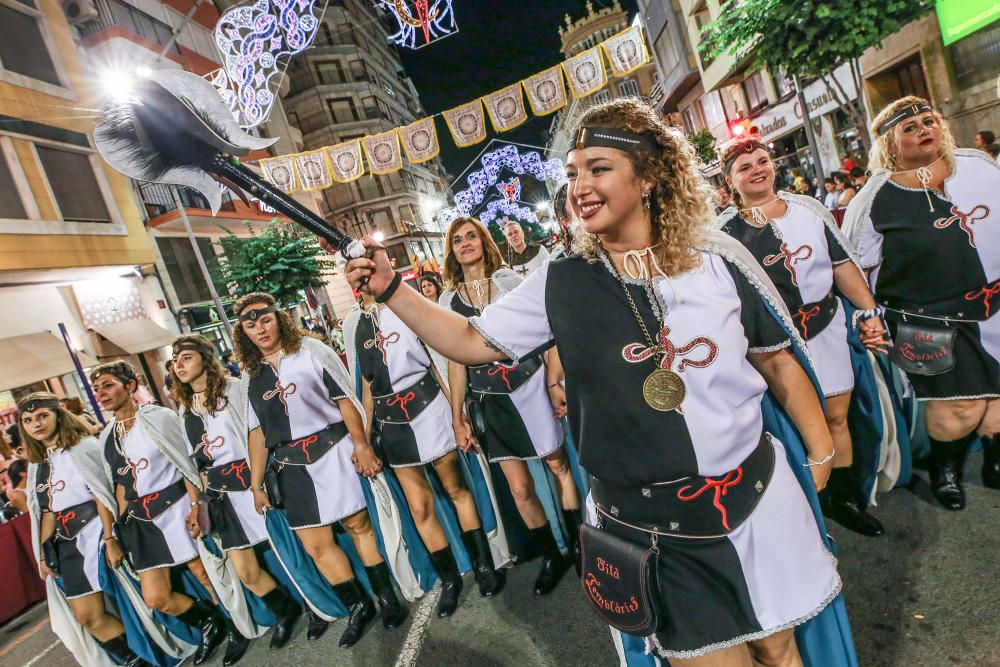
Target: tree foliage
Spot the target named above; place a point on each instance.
(281, 259)
(704, 144)
(809, 38)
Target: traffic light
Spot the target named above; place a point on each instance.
(740, 128)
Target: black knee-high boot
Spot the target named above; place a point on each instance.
(393, 612)
(236, 646)
(554, 564)
(841, 502)
(945, 469)
(118, 647)
(288, 612)
(490, 580)
(991, 462)
(361, 611)
(451, 581)
(211, 623)
(573, 519)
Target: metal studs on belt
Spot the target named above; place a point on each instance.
(647, 493)
(614, 510)
(674, 525)
(759, 486)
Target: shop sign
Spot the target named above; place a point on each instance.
(961, 18)
(787, 116)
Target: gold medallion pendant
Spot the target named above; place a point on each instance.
(663, 390)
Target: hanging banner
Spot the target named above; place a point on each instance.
(585, 72)
(383, 152)
(313, 170)
(546, 91)
(506, 108)
(420, 142)
(626, 51)
(280, 171)
(345, 161)
(467, 123)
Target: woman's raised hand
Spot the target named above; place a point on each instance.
(374, 267)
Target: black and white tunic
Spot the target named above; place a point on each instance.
(524, 263)
(217, 444)
(519, 425)
(920, 257)
(798, 252)
(290, 405)
(773, 571)
(61, 490)
(392, 359)
(144, 472)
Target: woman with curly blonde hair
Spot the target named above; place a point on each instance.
(927, 229)
(669, 345)
(512, 412)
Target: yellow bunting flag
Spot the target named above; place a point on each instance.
(313, 170)
(420, 141)
(345, 161)
(280, 171)
(626, 51)
(585, 72)
(467, 123)
(546, 91)
(506, 108)
(383, 152)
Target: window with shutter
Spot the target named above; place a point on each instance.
(74, 185)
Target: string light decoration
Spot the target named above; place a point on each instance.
(511, 189)
(421, 22)
(507, 157)
(508, 208)
(256, 42)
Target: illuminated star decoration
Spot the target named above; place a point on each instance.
(420, 21)
(256, 42)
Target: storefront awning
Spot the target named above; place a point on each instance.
(136, 336)
(35, 357)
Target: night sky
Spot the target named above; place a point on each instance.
(498, 43)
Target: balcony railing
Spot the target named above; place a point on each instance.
(117, 13)
(158, 199)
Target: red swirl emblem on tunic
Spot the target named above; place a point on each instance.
(636, 352)
(964, 220)
(65, 518)
(986, 293)
(719, 486)
(282, 392)
(789, 258)
(206, 446)
(304, 443)
(148, 499)
(402, 400)
(382, 342)
(804, 316)
(501, 370)
(51, 488)
(237, 468)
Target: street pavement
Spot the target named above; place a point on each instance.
(923, 595)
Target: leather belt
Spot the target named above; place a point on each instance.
(70, 521)
(812, 318)
(498, 378)
(311, 448)
(691, 507)
(152, 505)
(404, 406)
(232, 476)
(973, 306)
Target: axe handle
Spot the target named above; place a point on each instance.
(230, 168)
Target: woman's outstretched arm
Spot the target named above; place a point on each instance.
(447, 332)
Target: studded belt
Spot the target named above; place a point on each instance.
(498, 378)
(232, 476)
(404, 406)
(690, 507)
(311, 448)
(152, 505)
(812, 318)
(976, 305)
(70, 521)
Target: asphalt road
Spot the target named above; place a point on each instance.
(923, 595)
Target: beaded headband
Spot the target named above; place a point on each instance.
(903, 114)
(609, 137)
(31, 406)
(257, 313)
(192, 347)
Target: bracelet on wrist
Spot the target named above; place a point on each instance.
(194, 503)
(865, 315)
(810, 463)
(557, 383)
(108, 538)
(397, 279)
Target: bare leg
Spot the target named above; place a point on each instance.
(734, 656)
(558, 464)
(198, 570)
(248, 569)
(359, 527)
(159, 596)
(420, 498)
(89, 611)
(778, 650)
(449, 471)
(522, 487)
(329, 558)
(836, 421)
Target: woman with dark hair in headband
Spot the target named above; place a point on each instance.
(670, 336)
(215, 424)
(797, 243)
(926, 226)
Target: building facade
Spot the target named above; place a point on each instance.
(351, 84)
(580, 35)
